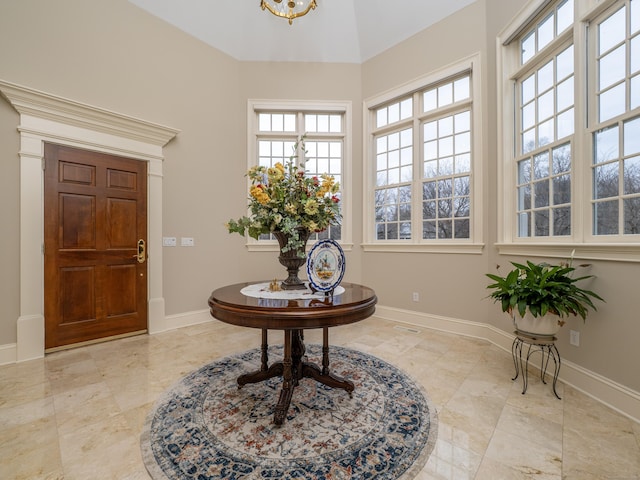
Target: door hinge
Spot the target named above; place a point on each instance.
(44, 167)
(43, 249)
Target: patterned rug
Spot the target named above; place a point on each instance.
(204, 427)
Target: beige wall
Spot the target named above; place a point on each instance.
(449, 285)
(115, 56)
(458, 286)
(9, 220)
(454, 285)
(309, 81)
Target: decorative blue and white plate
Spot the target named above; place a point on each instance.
(325, 265)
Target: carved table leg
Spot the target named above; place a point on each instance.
(287, 382)
(274, 370)
(264, 358)
(324, 376)
(325, 351)
(297, 353)
(265, 371)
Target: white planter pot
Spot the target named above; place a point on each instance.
(546, 326)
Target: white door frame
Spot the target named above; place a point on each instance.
(49, 118)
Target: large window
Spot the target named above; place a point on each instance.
(422, 163)
(616, 135)
(570, 147)
(275, 127)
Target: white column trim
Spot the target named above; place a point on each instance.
(49, 118)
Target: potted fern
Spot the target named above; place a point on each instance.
(541, 296)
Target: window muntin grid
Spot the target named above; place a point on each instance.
(616, 140)
(393, 192)
(616, 179)
(546, 102)
(544, 193)
(277, 122)
(323, 123)
(394, 112)
(546, 120)
(323, 155)
(546, 30)
(618, 62)
(446, 94)
(446, 186)
(604, 202)
(438, 184)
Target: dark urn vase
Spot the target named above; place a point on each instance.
(293, 259)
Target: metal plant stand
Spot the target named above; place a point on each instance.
(545, 345)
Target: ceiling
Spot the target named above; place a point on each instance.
(343, 31)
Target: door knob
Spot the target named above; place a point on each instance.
(142, 251)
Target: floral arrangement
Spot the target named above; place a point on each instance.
(283, 198)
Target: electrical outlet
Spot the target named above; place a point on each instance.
(574, 338)
(415, 296)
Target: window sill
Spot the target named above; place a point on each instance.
(454, 248)
(617, 252)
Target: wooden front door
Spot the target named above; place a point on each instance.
(95, 234)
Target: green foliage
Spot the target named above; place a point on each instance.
(542, 288)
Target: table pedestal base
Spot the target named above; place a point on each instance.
(293, 368)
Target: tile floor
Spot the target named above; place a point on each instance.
(77, 414)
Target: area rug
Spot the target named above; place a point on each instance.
(204, 427)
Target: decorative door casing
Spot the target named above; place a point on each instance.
(49, 118)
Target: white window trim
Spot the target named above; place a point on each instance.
(475, 244)
(507, 68)
(344, 107)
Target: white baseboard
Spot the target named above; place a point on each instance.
(614, 395)
(188, 318)
(618, 397)
(8, 353)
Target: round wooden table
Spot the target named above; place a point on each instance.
(229, 305)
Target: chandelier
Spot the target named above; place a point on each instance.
(288, 9)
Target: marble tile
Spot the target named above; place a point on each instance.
(598, 440)
(449, 458)
(71, 372)
(467, 432)
(609, 453)
(137, 416)
(100, 449)
(26, 413)
(491, 469)
(83, 406)
(525, 456)
(30, 450)
(533, 428)
(23, 390)
(78, 414)
(40, 464)
(473, 400)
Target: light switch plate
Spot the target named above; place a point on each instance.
(187, 242)
(169, 241)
